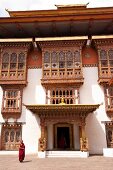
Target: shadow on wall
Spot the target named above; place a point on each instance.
(96, 134)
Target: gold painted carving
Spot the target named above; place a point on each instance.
(42, 144)
(84, 144)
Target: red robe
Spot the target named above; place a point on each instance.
(21, 152)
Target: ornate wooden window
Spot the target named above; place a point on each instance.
(105, 64)
(69, 95)
(109, 134)
(11, 101)
(62, 64)
(11, 136)
(109, 100)
(13, 66)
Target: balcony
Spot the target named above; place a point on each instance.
(62, 76)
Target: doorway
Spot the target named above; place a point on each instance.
(63, 136)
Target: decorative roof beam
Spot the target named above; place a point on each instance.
(90, 24)
(108, 27)
(37, 28)
(54, 28)
(5, 30)
(20, 28)
(71, 27)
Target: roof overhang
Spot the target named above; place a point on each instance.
(73, 21)
(63, 108)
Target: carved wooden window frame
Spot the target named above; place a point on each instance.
(108, 92)
(67, 64)
(12, 100)
(10, 136)
(69, 95)
(109, 136)
(105, 62)
(13, 69)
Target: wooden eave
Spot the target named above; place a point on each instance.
(58, 15)
(63, 108)
(62, 11)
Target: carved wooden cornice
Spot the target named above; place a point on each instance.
(62, 43)
(65, 82)
(12, 82)
(15, 44)
(90, 65)
(13, 86)
(108, 123)
(14, 114)
(12, 124)
(65, 110)
(103, 42)
(34, 67)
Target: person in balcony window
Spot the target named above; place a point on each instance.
(21, 151)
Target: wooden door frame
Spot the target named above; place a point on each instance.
(70, 126)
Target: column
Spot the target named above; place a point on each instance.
(43, 139)
(76, 96)
(83, 139)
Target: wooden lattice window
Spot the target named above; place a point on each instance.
(11, 101)
(13, 65)
(21, 61)
(109, 136)
(62, 64)
(68, 96)
(69, 57)
(11, 136)
(106, 63)
(109, 97)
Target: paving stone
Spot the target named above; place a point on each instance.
(32, 162)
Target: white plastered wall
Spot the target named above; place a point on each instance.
(33, 93)
(92, 93)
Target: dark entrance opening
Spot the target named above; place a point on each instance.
(63, 138)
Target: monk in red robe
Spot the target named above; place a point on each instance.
(21, 151)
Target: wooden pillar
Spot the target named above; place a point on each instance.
(83, 139)
(111, 142)
(43, 138)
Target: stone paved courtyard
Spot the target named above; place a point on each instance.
(31, 162)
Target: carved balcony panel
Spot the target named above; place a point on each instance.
(13, 59)
(105, 65)
(62, 63)
(67, 95)
(12, 102)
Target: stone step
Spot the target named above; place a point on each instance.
(71, 154)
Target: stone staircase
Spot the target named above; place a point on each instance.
(71, 154)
